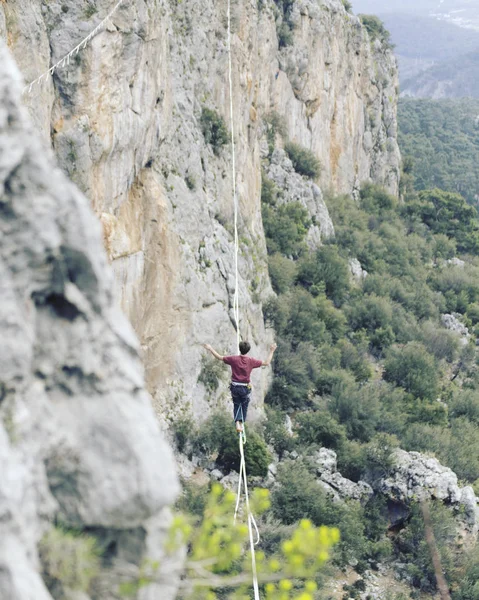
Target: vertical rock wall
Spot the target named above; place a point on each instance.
(124, 120)
(79, 442)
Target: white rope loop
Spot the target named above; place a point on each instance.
(251, 520)
(66, 59)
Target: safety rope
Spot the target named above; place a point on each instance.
(243, 480)
(235, 196)
(251, 522)
(66, 59)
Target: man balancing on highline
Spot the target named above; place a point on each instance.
(241, 367)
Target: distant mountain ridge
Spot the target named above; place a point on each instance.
(436, 59)
(455, 78)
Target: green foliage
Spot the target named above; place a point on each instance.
(193, 499)
(376, 29)
(295, 374)
(366, 367)
(347, 5)
(212, 371)
(448, 444)
(376, 200)
(182, 430)
(298, 495)
(441, 139)
(190, 181)
(357, 409)
(441, 343)
(285, 227)
(414, 369)
(284, 25)
(217, 561)
(320, 428)
(282, 272)
(90, 10)
(298, 315)
(217, 436)
(414, 551)
(275, 432)
(69, 558)
(326, 270)
(449, 214)
(468, 588)
(214, 129)
(275, 125)
(304, 161)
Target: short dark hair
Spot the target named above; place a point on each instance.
(244, 347)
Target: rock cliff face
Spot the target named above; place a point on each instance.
(124, 120)
(79, 443)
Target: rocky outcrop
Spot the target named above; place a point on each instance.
(293, 187)
(79, 442)
(452, 322)
(334, 483)
(124, 118)
(416, 477)
(358, 274)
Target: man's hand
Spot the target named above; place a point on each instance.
(213, 351)
(272, 348)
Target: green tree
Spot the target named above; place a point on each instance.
(414, 369)
(376, 29)
(449, 214)
(304, 160)
(285, 227)
(214, 129)
(327, 270)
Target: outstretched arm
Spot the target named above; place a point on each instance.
(267, 362)
(213, 352)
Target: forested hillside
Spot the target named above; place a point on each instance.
(440, 144)
(365, 364)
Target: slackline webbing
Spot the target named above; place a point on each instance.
(66, 59)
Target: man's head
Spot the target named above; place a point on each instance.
(244, 347)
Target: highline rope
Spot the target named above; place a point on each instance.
(66, 59)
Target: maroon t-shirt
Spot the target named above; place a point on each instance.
(241, 367)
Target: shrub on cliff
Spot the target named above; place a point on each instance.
(376, 29)
(214, 129)
(217, 435)
(414, 369)
(328, 268)
(304, 161)
(285, 228)
(69, 559)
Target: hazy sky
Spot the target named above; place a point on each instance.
(422, 7)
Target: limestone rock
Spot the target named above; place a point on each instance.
(334, 483)
(451, 322)
(295, 188)
(417, 477)
(124, 118)
(78, 436)
(346, 489)
(357, 272)
(326, 460)
(455, 262)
